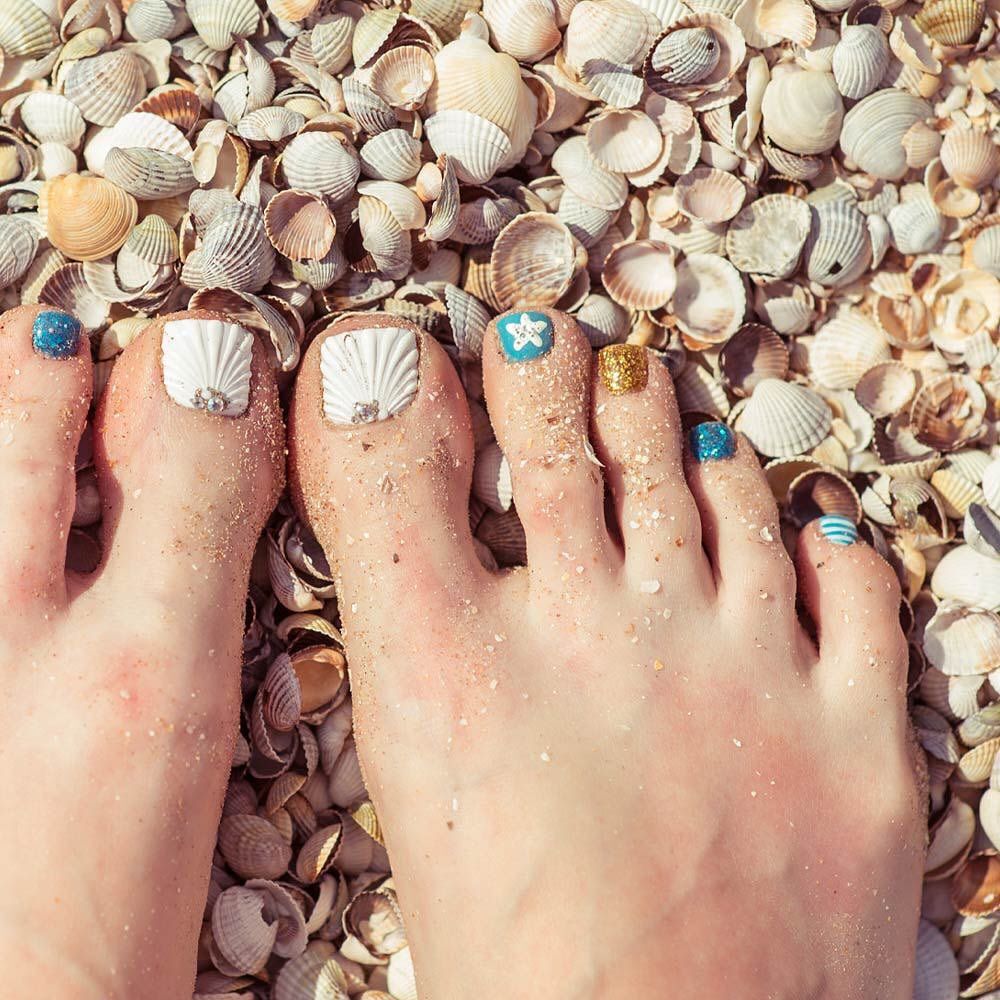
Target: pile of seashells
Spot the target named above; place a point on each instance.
(792, 202)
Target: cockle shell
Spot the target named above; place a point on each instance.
(321, 162)
(936, 975)
(602, 320)
(768, 235)
(885, 388)
(803, 111)
(148, 174)
(640, 275)
(146, 20)
(107, 86)
(299, 225)
(220, 23)
(315, 973)
(948, 412)
(475, 146)
(696, 53)
(755, 352)
(838, 249)
(916, 225)
(961, 641)
(970, 157)
(860, 60)
(686, 56)
(709, 301)
(253, 848)
(86, 217)
(18, 246)
(873, 131)
(951, 22)
(526, 29)
(587, 178)
(206, 365)
(709, 195)
(52, 117)
(234, 254)
(153, 241)
(26, 30)
(845, 348)
(788, 308)
(491, 479)
(586, 222)
(533, 261)
(782, 419)
(403, 76)
(624, 141)
(968, 577)
(393, 155)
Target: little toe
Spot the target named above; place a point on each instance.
(537, 376)
(188, 446)
(45, 388)
(637, 436)
(853, 597)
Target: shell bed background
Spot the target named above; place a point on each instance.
(792, 202)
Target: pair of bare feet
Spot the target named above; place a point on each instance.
(758, 826)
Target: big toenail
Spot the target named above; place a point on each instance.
(838, 529)
(206, 365)
(623, 368)
(525, 336)
(56, 334)
(369, 374)
(711, 441)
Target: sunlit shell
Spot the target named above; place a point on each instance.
(586, 178)
(586, 222)
(968, 577)
(886, 388)
(768, 235)
(970, 157)
(18, 246)
(150, 19)
(315, 973)
(624, 141)
(709, 301)
(784, 419)
(961, 642)
(686, 55)
(533, 261)
(754, 353)
(86, 217)
(473, 144)
(787, 308)
(917, 226)
(253, 848)
(921, 144)
(838, 249)
(948, 411)
(803, 111)
(640, 275)
(951, 22)
(491, 479)
(220, 23)
(148, 174)
(235, 252)
(322, 163)
(106, 86)
(526, 29)
(393, 155)
(873, 131)
(299, 225)
(402, 76)
(845, 348)
(53, 118)
(270, 125)
(860, 59)
(963, 306)
(696, 53)
(26, 30)
(710, 195)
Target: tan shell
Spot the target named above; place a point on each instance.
(393, 155)
(315, 973)
(25, 30)
(403, 76)
(86, 217)
(474, 145)
(960, 641)
(299, 225)
(845, 348)
(783, 418)
(220, 23)
(253, 848)
(886, 388)
(948, 412)
(533, 261)
(321, 163)
(970, 157)
(968, 577)
(710, 300)
(602, 320)
(525, 29)
(710, 195)
(640, 275)
(107, 86)
(768, 235)
(586, 178)
(624, 141)
(803, 111)
(975, 889)
(754, 353)
(951, 22)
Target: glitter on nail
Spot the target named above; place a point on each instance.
(838, 529)
(525, 336)
(56, 334)
(711, 441)
(623, 368)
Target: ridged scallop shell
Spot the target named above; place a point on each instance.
(966, 576)
(235, 253)
(686, 56)
(148, 174)
(803, 111)
(253, 848)
(107, 86)
(697, 53)
(18, 247)
(781, 419)
(299, 225)
(525, 29)
(767, 236)
(475, 146)
(367, 108)
(921, 144)
(533, 261)
(270, 125)
(53, 118)
(586, 178)
(153, 241)
(221, 23)
(393, 155)
(207, 358)
(491, 479)
(838, 249)
(948, 412)
(787, 308)
(970, 157)
(602, 321)
(624, 141)
(698, 391)
(26, 30)
(586, 222)
(873, 130)
(886, 388)
(403, 76)
(754, 353)
(985, 250)
(710, 299)
(860, 60)
(951, 22)
(845, 348)
(916, 225)
(315, 973)
(640, 275)
(936, 969)
(609, 34)
(709, 195)
(86, 217)
(146, 20)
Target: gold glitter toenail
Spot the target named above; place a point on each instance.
(623, 368)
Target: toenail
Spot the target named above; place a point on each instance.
(711, 441)
(56, 334)
(525, 336)
(206, 365)
(838, 529)
(623, 368)
(369, 374)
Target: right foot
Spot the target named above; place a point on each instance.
(627, 765)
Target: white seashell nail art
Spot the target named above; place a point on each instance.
(206, 365)
(368, 375)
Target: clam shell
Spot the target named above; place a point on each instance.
(948, 412)
(403, 76)
(936, 968)
(107, 86)
(686, 55)
(53, 118)
(838, 249)
(253, 848)
(640, 275)
(803, 111)
(787, 308)
(240, 932)
(26, 30)
(709, 301)
(299, 225)
(951, 22)
(504, 535)
(968, 577)
(533, 261)
(886, 388)
(221, 23)
(525, 29)
(367, 108)
(173, 104)
(917, 226)
(696, 53)
(981, 529)
(153, 241)
(586, 222)
(148, 174)
(67, 289)
(55, 160)
(873, 131)
(18, 247)
(921, 144)
(315, 973)
(754, 353)
(491, 479)
(86, 217)
(845, 348)
(475, 146)
(602, 321)
(393, 155)
(270, 125)
(709, 195)
(962, 642)
(320, 162)
(985, 250)
(860, 60)
(781, 419)
(970, 157)
(586, 178)
(146, 20)
(624, 141)
(951, 841)
(768, 235)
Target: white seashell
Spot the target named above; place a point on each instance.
(873, 131)
(838, 249)
(474, 145)
(845, 348)
(107, 86)
(709, 195)
(782, 419)
(235, 252)
(587, 178)
(970, 157)
(525, 29)
(916, 225)
(686, 56)
(710, 299)
(26, 30)
(393, 155)
(56, 160)
(921, 143)
(966, 576)
(961, 642)
(51, 117)
(860, 60)
(148, 174)
(986, 250)
(624, 141)
(18, 246)
(221, 23)
(787, 308)
(207, 364)
(803, 111)
(768, 235)
(640, 275)
(369, 374)
(320, 162)
(586, 222)
(150, 19)
(936, 975)
(491, 479)
(602, 321)
(981, 530)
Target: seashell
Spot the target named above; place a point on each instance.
(962, 306)
(56, 160)
(640, 275)
(26, 31)
(786, 308)
(917, 226)
(53, 118)
(886, 388)
(686, 56)
(138, 129)
(698, 391)
(586, 178)
(299, 225)
(153, 241)
(936, 975)
(802, 111)
(845, 348)
(782, 419)
(403, 76)
(270, 125)
(948, 412)
(400, 978)
(860, 60)
(107, 86)
(525, 29)
(221, 23)
(393, 155)
(837, 250)
(985, 250)
(235, 253)
(709, 301)
(378, 243)
(367, 108)
(951, 22)
(206, 365)
(961, 642)
(697, 53)
(253, 848)
(321, 163)
(406, 207)
(86, 217)
(975, 889)
(146, 20)
(18, 247)
(709, 195)
(912, 47)
(586, 222)
(174, 105)
(921, 144)
(624, 141)
(503, 534)
(970, 157)
(148, 174)
(768, 235)
(474, 146)
(802, 168)
(820, 491)
(240, 932)
(755, 352)
(314, 973)
(533, 261)
(873, 131)
(968, 577)
(602, 321)
(491, 479)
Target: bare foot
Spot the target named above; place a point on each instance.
(121, 690)
(759, 827)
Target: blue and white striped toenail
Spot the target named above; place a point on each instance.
(838, 529)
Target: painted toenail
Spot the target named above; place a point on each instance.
(838, 529)
(711, 441)
(623, 368)
(56, 334)
(206, 365)
(525, 336)
(369, 374)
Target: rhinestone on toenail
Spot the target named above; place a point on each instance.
(369, 374)
(207, 365)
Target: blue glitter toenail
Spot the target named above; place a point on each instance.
(838, 529)
(56, 334)
(710, 442)
(525, 336)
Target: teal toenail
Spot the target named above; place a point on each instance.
(838, 529)
(56, 334)
(710, 442)
(525, 336)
